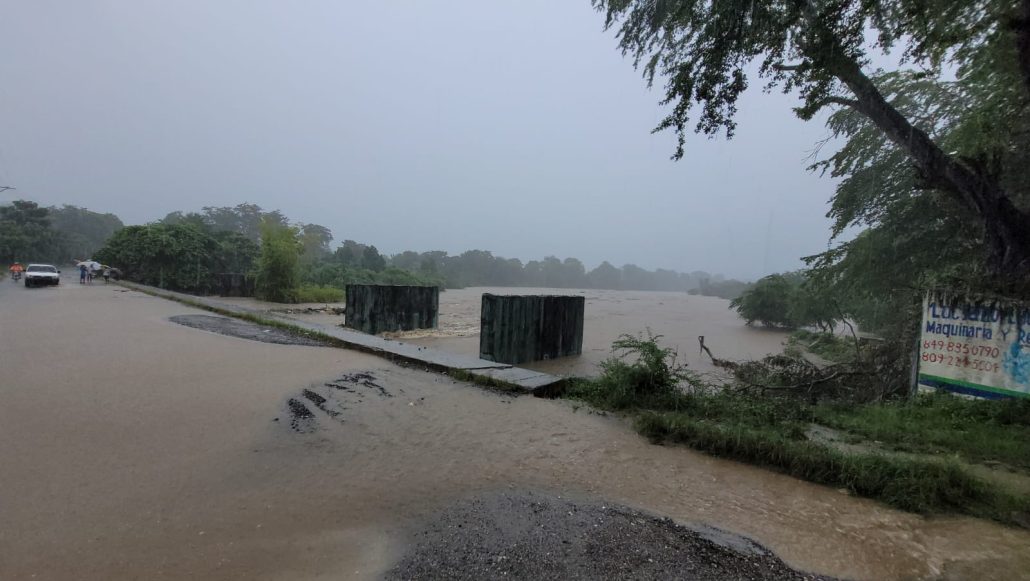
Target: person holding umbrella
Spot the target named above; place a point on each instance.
(87, 270)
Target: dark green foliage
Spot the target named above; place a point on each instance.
(245, 219)
(278, 272)
(372, 260)
(310, 293)
(339, 276)
(179, 257)
(725, 289)
(924, 486)
(26, 234)
(236, 253)
(652, 378)
(482, 268)
(83, 232)
(769, 301)
(315, 240)
(786, 300)
(605, 276)
(977, 430)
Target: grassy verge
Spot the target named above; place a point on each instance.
(771, 431)
(976, 431)
(312, 293)
(922, 486)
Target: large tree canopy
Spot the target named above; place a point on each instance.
(84, 231)
(26, 234)
(822, 49)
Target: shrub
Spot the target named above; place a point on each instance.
(278, 273)
(651, 380)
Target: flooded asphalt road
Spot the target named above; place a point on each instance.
(135, 447)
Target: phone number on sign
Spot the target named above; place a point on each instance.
(977, 364)
(960, 348)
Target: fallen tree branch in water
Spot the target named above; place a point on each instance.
(724, 363)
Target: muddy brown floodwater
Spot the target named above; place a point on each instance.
(680, 318)
(135, 447)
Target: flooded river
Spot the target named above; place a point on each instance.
(680, 318)
(134, 447)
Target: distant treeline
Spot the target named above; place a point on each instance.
(327, 266)
(188, 250)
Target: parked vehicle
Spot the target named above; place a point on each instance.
(42, 275)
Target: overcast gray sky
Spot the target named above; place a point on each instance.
(508, 125)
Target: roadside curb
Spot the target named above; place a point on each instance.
(464, 368)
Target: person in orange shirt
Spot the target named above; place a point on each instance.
(16, 270)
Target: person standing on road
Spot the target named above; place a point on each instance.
(107, 274)
(82, 274)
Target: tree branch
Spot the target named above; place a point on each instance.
(833, 101)
(787, 68)
(1008, 238)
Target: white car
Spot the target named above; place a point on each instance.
(42, 275)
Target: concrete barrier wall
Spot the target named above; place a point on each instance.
(376, 309)
(517, 329)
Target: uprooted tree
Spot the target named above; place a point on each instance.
(969, 145)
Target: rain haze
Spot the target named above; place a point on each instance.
(412, 290)
(514, 127)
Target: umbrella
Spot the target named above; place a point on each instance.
(90, 264)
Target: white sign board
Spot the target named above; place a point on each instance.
(973, 349)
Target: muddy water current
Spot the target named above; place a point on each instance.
(134, 447)
(680, 318)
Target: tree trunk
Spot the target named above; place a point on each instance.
(1006, 227)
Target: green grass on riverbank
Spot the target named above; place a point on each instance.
(942, 433)
(974, 430)
(311, 293)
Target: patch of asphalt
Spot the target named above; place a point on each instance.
(527, 535)
(331, 398)
(243, 330)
